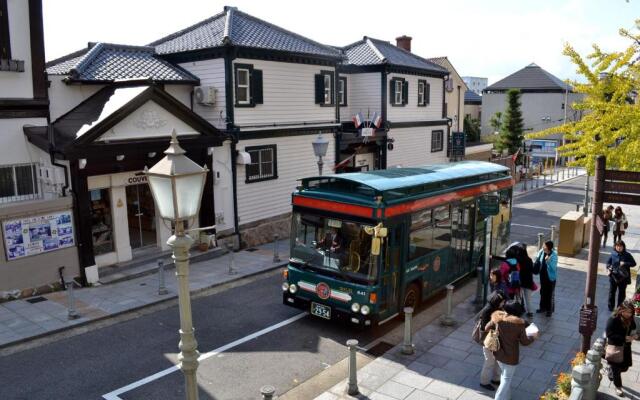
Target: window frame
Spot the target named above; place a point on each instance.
(434, 135)
(237, 87)
(342, 91)
(274, 163)
(5, 35)
(396, 88)
(396, 92)
(422, 83)
(35, 187)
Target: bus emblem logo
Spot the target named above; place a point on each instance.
(323, 290)
(436, 264)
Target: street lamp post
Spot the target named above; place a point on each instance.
(177, 184)
(320, 146)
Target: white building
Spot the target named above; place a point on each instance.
(475, 83)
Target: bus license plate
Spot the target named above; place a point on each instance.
(321, 310)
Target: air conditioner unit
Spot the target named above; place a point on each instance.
(205, 95)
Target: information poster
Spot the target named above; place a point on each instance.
(39, 234)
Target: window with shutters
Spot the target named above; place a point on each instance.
(324, 91)
(342, 91)
(5, 42)
(437, 143)
(248, 85)
(18, 182)
(397, 92)
(423, 93)
(263, 163)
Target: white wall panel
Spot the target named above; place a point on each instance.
(411, 111)
(412, 147)
(211, 73)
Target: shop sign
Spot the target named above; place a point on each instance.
(128, 178)
(489, 205)
(457, 144)
(38, 234)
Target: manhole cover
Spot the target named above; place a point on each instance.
(37, 299)
(251, 249)
(379, 349)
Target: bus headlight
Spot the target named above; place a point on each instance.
(293, 288)
(285, 286)
(365, 310)
(355, 307)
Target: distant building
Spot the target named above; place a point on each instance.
(454, 93)
(475, 84)
(472, 104)
(543, 99)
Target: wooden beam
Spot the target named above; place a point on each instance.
(624, 187)
(621, 198)
(613, 175)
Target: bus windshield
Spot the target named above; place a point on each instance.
(335, 245)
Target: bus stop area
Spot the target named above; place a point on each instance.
(446, 363)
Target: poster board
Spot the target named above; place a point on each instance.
(37, 234)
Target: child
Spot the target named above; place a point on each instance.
(496, 282)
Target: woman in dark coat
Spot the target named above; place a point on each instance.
(619, 328)
(526, 277)
(618, 268)
(490, 371)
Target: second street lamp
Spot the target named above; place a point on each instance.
(177, 184)
(320, 146)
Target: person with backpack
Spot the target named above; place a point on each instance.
(511, 333)
(618, 269)
(547, 262)
(620, 224)
(490, 371)
(510, 271)
(528, 285)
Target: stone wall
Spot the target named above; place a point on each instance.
(260, 232)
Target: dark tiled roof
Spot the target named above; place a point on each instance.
(471, 97)
(369, 51)
(104, 62)
(233, 27)
(531, 77)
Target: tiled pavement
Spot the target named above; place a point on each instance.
(21, 320)
(447, 363)
(552, 177)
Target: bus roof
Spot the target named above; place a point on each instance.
(399, 185)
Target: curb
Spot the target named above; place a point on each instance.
(547, 185)
(6, 346)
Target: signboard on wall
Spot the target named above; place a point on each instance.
(457, 144)
(38, 234)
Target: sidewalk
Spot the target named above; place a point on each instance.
(447, 363)
(26, 319)
(538, 182)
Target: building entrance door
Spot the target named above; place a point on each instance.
(141, 215)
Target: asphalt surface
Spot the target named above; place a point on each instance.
(93, 364)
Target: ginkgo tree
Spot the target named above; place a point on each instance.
(611, 114)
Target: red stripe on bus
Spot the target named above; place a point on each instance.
(445, 198)
(334, 206)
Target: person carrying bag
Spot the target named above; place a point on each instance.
(618, 269)
(490, 373)
(618, 350)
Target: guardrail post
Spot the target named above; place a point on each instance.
(540, 235)
(447, 319)
(563, 169)
(581, 378)
(594, 359)
(407, 346)
(544, 179)
(553, 235)
(276, 256)
(162, 289)
(267, 392)
(352, 384)
(232, 261)
(71, 312)
(479, 285)
(577, 207)
(538, 180)
(524, 182)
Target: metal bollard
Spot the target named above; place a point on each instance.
(577, 207)
(162, 289)
(407, 345)
(276, 257)
(447, 319)
(232, 261)
(352, 384)
(563, 173)
(537, 181)
(479, 286)
(544, 179)
(524, 183)
(540, 235)
(267, 392)
(71, 313)
(553, 235)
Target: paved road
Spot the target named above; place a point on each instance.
(96, 363)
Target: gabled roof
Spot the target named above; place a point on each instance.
(106, 62)
(530, 78)
(236, 28)
(369, 51)
(471, 97)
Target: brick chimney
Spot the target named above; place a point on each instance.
(404, 42)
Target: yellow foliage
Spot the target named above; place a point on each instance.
(564, 384)
(610, 124)
(579, 359)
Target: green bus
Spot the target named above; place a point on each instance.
(364, 245)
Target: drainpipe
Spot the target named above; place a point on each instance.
(52, 152)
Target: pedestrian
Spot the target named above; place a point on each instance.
(490, 371)
(619, 328)
(527, 283)
(607, 217)
(618, 268)
(496, 283)
(547, 262)
(620, 224)
(510, 271)
(511, 332)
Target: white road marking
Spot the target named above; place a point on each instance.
(532, 226)
(115, 395)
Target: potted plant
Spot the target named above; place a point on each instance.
(203, 244)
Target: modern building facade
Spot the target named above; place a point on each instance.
(36, 216)
(476, 84)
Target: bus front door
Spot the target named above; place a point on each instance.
(462, 231)
(390, 276)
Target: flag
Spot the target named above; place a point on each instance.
(357, 120)
(376, 120)
(515, 156)
(344, 162)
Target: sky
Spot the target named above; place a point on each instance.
(488, 38)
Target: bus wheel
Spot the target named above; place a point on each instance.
(412, 297)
